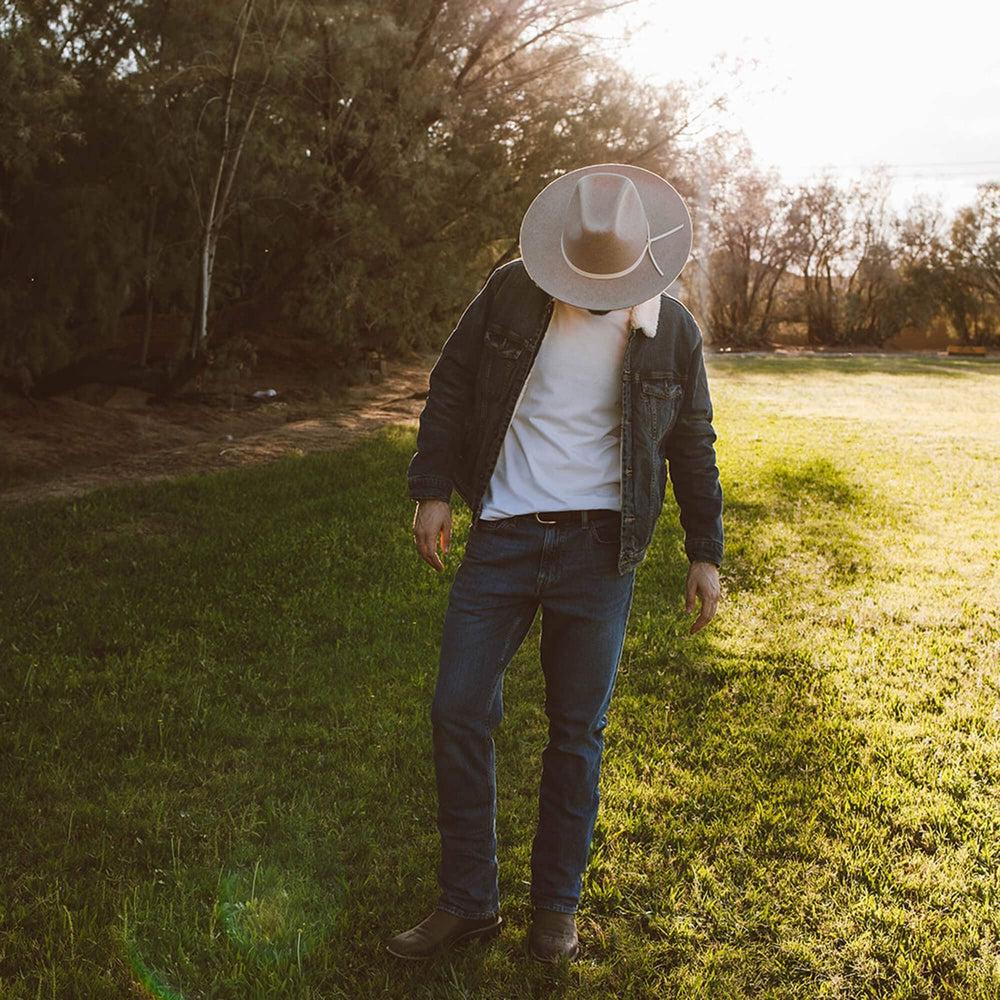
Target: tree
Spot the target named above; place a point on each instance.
(423, 133)
(873, 307)
(921, 258)
(975, 265)
(254, 26)
(752, 237)
(820, 209)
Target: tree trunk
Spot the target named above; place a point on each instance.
(148, 277)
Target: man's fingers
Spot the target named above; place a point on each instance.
(428, 533)
(427, 547)
(706, 590)
(704, 617)
(709, 605)
(435, 559)
(689, 594)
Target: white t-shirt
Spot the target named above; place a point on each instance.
(562, 449)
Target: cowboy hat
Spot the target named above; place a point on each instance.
(606, 236)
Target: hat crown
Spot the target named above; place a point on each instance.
(605, 230)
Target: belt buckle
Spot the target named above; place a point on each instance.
(540, 521)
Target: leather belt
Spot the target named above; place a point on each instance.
(574, 516)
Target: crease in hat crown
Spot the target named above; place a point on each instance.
(586, 235)
(606, 230)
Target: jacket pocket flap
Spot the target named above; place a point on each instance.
(504, 341)
(662, 388)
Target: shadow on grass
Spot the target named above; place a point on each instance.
(817, 480)
(798, 516)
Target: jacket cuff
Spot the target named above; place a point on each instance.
(430, 488)
(703, 550)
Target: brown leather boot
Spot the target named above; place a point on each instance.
(441, 931)
(553, 934)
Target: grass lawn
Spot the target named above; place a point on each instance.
(214, 724)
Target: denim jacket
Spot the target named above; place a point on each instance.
(666, 414)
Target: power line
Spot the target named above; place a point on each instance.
(945, 177)
(984, 172)
(932, 163)
(982, 166)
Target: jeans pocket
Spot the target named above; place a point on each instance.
(606, 532)
(493, 525)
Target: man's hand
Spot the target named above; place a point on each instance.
(702, 582)
(431, 524)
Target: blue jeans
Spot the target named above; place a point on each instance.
(511, 566)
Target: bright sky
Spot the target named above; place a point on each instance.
(916, 86)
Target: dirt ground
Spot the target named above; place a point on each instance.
(67, 445)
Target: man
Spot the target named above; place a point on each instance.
(558, 424)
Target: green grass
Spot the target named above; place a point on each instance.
(215, 735)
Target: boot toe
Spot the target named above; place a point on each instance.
(553, 936)
(546, 948)
(440, 931)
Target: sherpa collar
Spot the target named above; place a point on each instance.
(646, 315)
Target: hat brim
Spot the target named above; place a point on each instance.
(541, 250)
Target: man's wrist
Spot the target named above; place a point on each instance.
(430, 487)
(704, 549)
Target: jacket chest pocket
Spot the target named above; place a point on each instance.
(660, 401)
(502, 351)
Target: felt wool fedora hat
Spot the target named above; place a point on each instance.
(606, 236)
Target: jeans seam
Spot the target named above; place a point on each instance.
(503, 656)
(553, 906)
(457, 911)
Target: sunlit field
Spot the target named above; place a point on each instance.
(216, 737)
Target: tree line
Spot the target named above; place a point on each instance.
(353, 169)
(838, 261)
